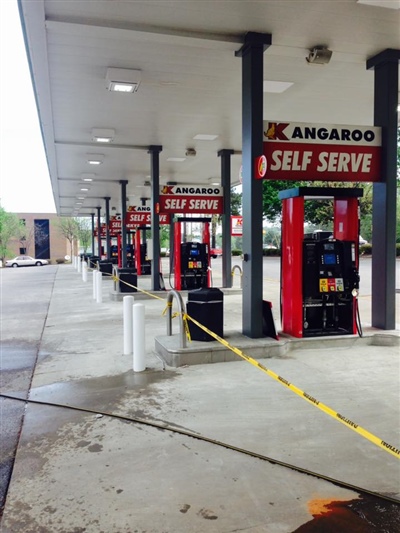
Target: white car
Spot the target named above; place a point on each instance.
(25, 260)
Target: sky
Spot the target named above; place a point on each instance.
(25, 185)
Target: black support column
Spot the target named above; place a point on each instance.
(108, 245)
(154, 152)
(123, 183)
(225, 156)
(92, 217)
(98, 232)
(386, 70)
(252, 54)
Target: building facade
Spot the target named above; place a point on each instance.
(43, 238)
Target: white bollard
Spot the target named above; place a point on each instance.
(139, 350)
(94, 284)
(99, 287)
(79, 265)
(128, 324)
(84, 271)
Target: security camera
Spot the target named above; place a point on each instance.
(190, 152)
(319, 55)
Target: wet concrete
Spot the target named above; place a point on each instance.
(80, 472)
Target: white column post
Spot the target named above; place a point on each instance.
(99, 287)
(94, 272)
(84, 271)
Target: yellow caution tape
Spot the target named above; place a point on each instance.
(169, 304)
(115, 278)
(310, 399)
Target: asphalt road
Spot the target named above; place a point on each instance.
(25, 299)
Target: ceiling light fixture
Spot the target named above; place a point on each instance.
(319, 55)
(205, 137)
(87, 177)
(84, 189)
(94, 159)
(276, 86)
(102, 135)
(123, 80)
(176, 159)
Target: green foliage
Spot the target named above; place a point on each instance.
(272, 236)
(271, 252)
(10, 227)
(236, 203)
(84, 232)
(272, 205)
(69, 228)
(365, 249)
(164, 236)
(236, 252)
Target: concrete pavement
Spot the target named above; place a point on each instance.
(81, 471)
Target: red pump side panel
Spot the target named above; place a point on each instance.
(119, 250)
(138, 262)
(346, 228)
(292, 266)
(177, 256)
(206, 240)
(346, 221)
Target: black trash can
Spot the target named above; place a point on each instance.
(206, 305)
(93, 261)
(125, 275)
(105, 267)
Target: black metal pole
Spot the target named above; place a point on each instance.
(123, 183)
(92, 217)
(98, 233)
(154, 152)
(252, 54)
(386, 70)
(225, 156)
(108, 246)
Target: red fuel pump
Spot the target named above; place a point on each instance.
(116, 252)
(191, 259)
(142, 263)
(319, 274)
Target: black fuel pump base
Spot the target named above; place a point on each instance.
(194, 266)
(329, 277)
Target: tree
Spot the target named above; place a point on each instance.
(84, 233)
(10, 226)
(272, 205)
(236, 202)
(69, 228)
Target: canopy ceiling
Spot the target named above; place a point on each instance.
(190, 82)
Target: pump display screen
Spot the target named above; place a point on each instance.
(329, 259)
(195, 252)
